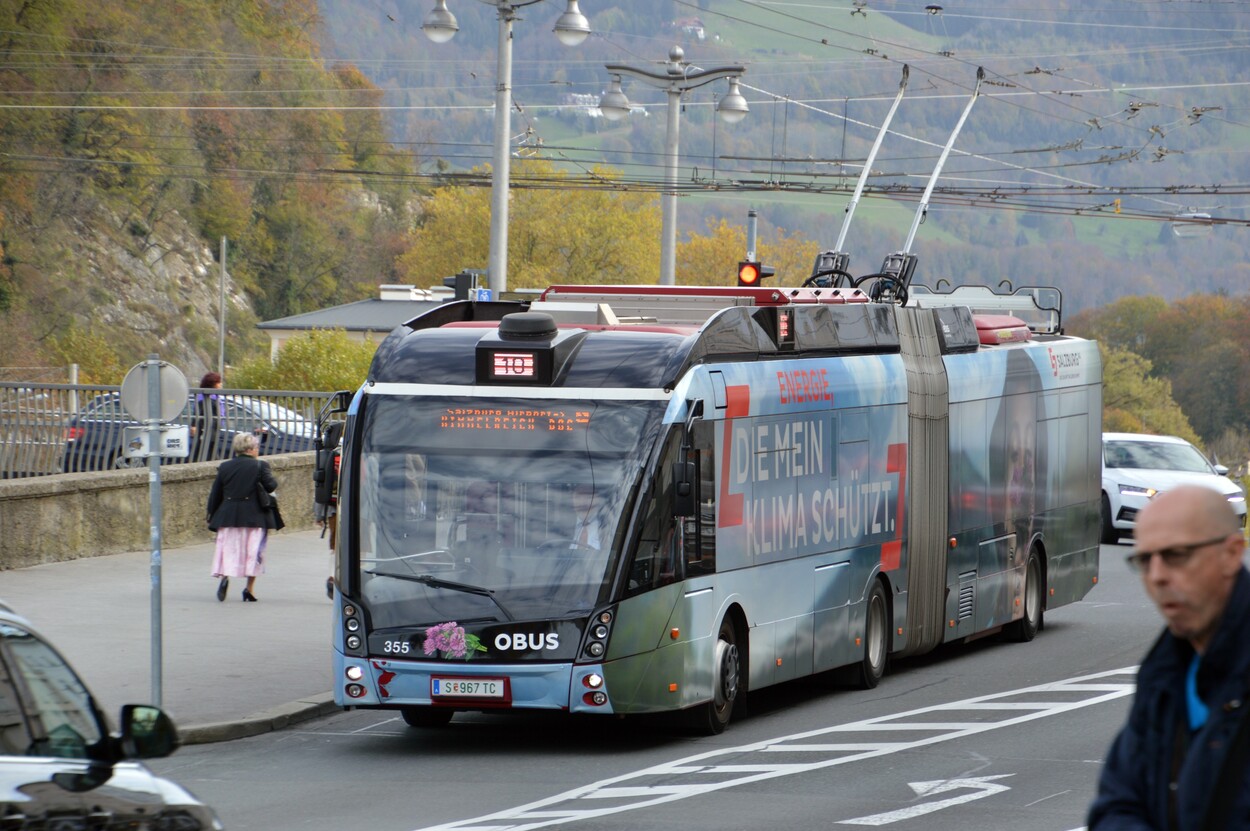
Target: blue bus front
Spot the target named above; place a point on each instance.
(481, 536)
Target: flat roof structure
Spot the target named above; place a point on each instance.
(363, 320)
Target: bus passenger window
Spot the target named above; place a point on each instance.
(655, 558)
(700, 531)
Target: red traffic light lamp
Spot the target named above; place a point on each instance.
(752, 273)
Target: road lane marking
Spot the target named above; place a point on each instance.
(572, 806)
(1044, 798)
(982, 786)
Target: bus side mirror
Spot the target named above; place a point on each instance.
(683, 489)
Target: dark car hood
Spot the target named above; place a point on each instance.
(38, 787)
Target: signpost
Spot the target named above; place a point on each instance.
(155, 392)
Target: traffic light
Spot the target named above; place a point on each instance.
(752, 273)
(464, 283)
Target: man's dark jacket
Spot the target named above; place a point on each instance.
(232, 501)
(1133, 791)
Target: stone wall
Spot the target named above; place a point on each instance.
(67, 516)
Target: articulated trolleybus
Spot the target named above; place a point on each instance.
(635, 499)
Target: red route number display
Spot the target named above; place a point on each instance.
(513, 365)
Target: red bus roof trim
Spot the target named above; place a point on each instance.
(760, 296)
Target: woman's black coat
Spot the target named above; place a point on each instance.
(232, 500)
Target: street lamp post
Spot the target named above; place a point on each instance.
(440, 26)
(677, 79)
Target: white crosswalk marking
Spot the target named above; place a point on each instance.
(992, 712)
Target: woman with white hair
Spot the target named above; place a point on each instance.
(238, 510)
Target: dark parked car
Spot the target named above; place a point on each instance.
(95, 437)
(61, 767)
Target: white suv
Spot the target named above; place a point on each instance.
(1135, 467)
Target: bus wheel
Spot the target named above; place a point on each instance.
(711, 718)
(1110, 536)
(427, 716)
(1024, 629)
(872, 667)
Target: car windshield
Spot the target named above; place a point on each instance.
(64, 723)
(493, 509)
(1155, 455)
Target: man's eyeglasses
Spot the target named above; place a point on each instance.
(1174, 557)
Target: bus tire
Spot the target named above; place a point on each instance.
(871, 667)
(427, 716)
(710, 719)
(1110, 536)
(1030, 622)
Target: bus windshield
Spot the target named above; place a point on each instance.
(474, 509)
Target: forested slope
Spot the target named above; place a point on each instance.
(134, 136)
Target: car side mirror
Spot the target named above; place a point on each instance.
(147, 732)
(1221, 470)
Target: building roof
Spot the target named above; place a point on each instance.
(398, 304)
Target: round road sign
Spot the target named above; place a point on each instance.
(173, 391)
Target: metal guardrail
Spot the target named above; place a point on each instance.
(70, 428)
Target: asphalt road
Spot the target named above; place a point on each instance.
(975, 737)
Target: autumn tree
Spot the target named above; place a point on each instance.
(712, 260)
(1135, 402)
(95, 353)
(1123, 324)
(321, 360)
(1199, 345)
(555, 234)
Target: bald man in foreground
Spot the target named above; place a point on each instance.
(1179, 764)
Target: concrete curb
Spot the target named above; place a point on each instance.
(266, 721)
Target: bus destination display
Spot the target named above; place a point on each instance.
(515, 419)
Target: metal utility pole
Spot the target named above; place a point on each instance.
(677, 79)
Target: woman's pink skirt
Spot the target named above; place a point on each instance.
(240, 552)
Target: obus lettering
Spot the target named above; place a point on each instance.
(519, 641)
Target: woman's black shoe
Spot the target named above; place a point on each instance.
(222, 588)
(330, 587)
(248, 597)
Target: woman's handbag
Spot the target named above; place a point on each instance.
(278, 522)
(269, 502)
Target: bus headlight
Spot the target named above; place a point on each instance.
(353, 625)
(598, 630)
